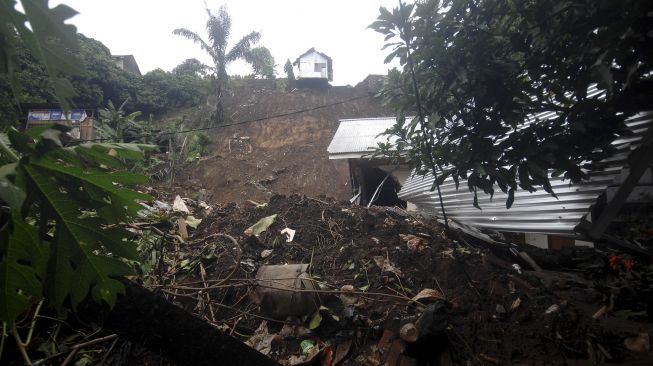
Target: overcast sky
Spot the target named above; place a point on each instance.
(288, 28)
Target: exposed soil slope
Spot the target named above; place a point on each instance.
(285, 155)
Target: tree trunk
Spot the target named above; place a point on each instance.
(148, 319)
(220, 85)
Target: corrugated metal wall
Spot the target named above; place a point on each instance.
(538, 212)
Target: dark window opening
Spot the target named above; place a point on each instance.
(319, 66)
(367, 181)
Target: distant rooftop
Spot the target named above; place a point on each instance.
(127, 63)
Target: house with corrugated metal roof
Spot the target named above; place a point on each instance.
(374, 180)
(579, 215)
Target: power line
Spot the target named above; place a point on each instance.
(301, 111)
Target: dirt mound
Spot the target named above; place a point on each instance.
(369, 264)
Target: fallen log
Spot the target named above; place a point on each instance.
(148, 319)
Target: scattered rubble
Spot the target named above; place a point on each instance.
(380, 286)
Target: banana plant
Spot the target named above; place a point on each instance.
(113, 122)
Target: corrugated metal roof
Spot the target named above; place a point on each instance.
(531, 212)
(356, 138)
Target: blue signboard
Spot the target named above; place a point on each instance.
(55, 115)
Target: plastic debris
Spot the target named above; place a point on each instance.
(310, 352)
(266, 253)
(179, 205)
(306, 345)
(193, 222)
(289, 233)
(517, 268)
(261, 225)
(552, 309)
(162, 205)
(515, 304)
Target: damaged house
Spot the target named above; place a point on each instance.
(374, 180)
(579, 215)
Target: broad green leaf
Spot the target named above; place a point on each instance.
(21, 267)
(9, 193)
(79, 242)
(100, 183)
(99, 155)
(35, 132)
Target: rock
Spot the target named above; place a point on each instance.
(276, 294)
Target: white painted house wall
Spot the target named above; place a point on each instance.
(306, 67)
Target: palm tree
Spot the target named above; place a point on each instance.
(218, 28)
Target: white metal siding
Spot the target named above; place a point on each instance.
(538, 212)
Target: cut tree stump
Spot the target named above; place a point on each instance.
(148, 319)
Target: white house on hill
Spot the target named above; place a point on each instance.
(313, 67)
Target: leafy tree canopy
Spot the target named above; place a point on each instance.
(191, 66)
(100, 81)
(262, 62)
(287, 67)
(484, 67)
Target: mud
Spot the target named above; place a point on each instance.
(495, 315)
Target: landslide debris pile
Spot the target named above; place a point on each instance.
(380, 286)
